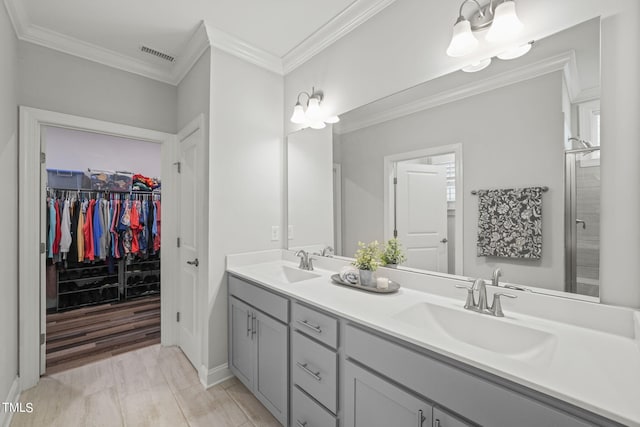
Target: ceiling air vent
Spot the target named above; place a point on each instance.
(157, 53)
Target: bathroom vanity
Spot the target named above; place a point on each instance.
(318, 354)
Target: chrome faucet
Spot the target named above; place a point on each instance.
(481, 306)
(495, 277)
(327, 251)
(306, 262)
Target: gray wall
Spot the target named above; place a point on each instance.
(511, 137)
(9, 214)
(52, 80)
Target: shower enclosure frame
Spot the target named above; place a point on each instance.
(570, 216)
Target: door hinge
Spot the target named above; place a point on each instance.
(42, 338)
(43, 248)
(179, 165)
(178, 316)
(178, 242)
(43, 157)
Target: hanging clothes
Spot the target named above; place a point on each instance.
(88, 232)
(75, 217)
(65, 227)
(156, 240)
(102, 228)
(56, 242)
(80, 231)
(52, 228)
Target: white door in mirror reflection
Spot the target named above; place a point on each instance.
(421, 215)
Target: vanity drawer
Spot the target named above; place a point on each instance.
(315, 370)
(315, 324)
(267, 302)
(307, 413)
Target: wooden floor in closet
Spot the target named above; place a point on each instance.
(78, 337)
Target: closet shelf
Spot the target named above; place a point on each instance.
(111, 286)
(88, 279)
(140, 284)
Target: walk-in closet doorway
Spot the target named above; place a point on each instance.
(103, 227)
(32, 252)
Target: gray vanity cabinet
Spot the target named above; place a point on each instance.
(259, 345)
(241, 340)
(371, 401)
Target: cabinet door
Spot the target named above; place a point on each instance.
(371, 401)
(271, 378)
(444, 419)
(241, 341)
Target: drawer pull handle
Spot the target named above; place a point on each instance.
(421, 418)
(301, 423)
(248, 322)
(314, 375)
(314, 328)
(253, 325)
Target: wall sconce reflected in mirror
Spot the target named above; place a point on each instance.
(314, 116)
(503, 24)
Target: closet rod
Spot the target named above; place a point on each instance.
(103, 191)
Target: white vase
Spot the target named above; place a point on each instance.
(367, 278)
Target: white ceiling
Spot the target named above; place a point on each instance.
(267, 31)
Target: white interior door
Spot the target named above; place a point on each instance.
(421, 215)
(191, 179)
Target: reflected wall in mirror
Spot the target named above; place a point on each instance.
(505, 127)
(310, 189)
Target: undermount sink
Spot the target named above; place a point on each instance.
(480, 330)
(286, 274)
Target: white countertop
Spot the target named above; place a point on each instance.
(598, 370)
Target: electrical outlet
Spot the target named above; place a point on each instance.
(275, 233)
(290, 232)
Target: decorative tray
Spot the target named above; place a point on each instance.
(393, 286)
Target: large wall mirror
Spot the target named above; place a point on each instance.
(423, 164)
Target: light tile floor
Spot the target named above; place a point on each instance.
(154, 386)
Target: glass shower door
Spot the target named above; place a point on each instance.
(582, 221)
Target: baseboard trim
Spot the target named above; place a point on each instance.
(12, 397)
(214, 376)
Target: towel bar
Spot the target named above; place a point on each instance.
(544, 189)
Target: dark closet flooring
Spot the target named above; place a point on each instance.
(78, 337)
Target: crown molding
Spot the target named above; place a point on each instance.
(243, 50)
(560, 62)
(348, 20)
(204, 36)
(193, 49)
(91, 52)
(17, 15)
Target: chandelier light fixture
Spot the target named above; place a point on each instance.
(313, 116)
(503, 27)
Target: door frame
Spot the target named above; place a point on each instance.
(389, 170)
(29, 208)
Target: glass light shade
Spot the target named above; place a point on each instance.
(506, 24)
(515, 52)
(314, 113)
(298, 115)
(463, 41)
(477, 66)
(332, 119)
(317, 125)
